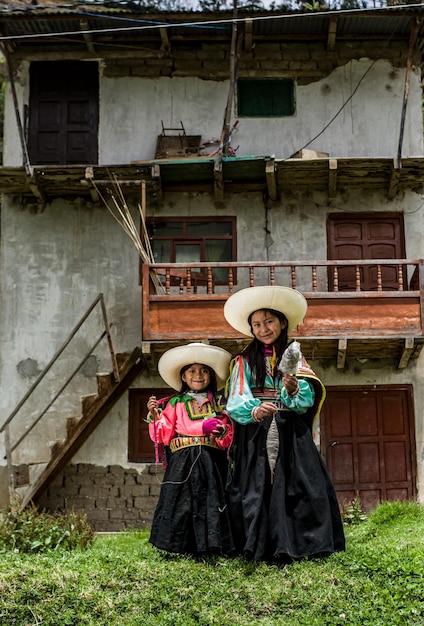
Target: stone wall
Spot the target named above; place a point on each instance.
(114, 498)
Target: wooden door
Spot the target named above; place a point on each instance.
(63, 113)
(368, 442)
(141, 448)
(366, 236)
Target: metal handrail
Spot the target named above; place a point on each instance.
(71, 335)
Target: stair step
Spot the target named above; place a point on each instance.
(122, 358)
(88, 401)
(56, 447)
(71, 425)
(105, 382)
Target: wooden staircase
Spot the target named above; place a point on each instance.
(94, 408)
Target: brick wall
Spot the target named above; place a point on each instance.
(301, 61)
(113, 498)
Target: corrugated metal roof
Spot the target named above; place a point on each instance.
(39, 20)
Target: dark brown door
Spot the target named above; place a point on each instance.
(368, 236)
(141, 448)
(63, 113)
(367, 436)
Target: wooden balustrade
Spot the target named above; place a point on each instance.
(356, 298)
(302, 275)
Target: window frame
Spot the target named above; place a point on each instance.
(188, 239)
(250, 86)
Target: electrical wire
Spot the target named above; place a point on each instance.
(201, 23)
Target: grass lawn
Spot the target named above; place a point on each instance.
(121, 580)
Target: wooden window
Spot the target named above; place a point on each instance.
(63, 113)
(366, 236)
(265, 97)
(192, 240)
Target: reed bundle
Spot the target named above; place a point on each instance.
(115, 202)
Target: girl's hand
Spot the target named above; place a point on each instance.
(152, 406)
(219, 430)
(291, 384)
(265, 409)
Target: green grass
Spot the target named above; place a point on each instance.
(120, 580)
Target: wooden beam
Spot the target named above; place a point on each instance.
(88, 37)
(248, 35)
(218, 179)
(406, 353)
(271, 179)
(157, 183)
(395, 174)
(166, 46)
(332, 178)
(341, 353)
(89, 177)
(34, 185)
(331, 34)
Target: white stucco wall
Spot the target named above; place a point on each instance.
(373, 114)
(354, 112)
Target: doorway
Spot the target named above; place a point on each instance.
(368, 442)
(361, 237)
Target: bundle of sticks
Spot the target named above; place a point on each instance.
(115, 202)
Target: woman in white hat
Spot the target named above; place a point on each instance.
(191, 516)
(282, 502)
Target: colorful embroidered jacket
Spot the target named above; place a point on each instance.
(242, 400)
(183, 416)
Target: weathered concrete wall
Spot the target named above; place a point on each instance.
(56, 259)
(86, 253)
(361, 96)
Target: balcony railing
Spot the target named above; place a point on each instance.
(345, 297)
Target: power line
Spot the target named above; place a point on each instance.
(216, 23)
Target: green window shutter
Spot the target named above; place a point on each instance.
(265, 98)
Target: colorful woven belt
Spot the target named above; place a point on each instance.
(183, 442)
(267, 394)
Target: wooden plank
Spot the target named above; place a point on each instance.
(331, 33)
(341, 353)
(271, 180)
(218, 179)
(395, 174)
(362, 316)
(248, 35)
(407, 352)
(332, 178)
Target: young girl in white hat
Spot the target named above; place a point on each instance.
(282, 502)
(191, 516)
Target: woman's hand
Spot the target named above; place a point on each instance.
(265, 409)
(291, 384)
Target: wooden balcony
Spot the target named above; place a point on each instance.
(367, 309)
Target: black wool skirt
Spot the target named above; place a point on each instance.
(192, 516)
(292, 513)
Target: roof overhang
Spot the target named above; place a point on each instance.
(218, 177)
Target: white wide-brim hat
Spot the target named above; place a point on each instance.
(243, 303)
(172, 361)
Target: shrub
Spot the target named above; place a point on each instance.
(29, 530)
(352, 512)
